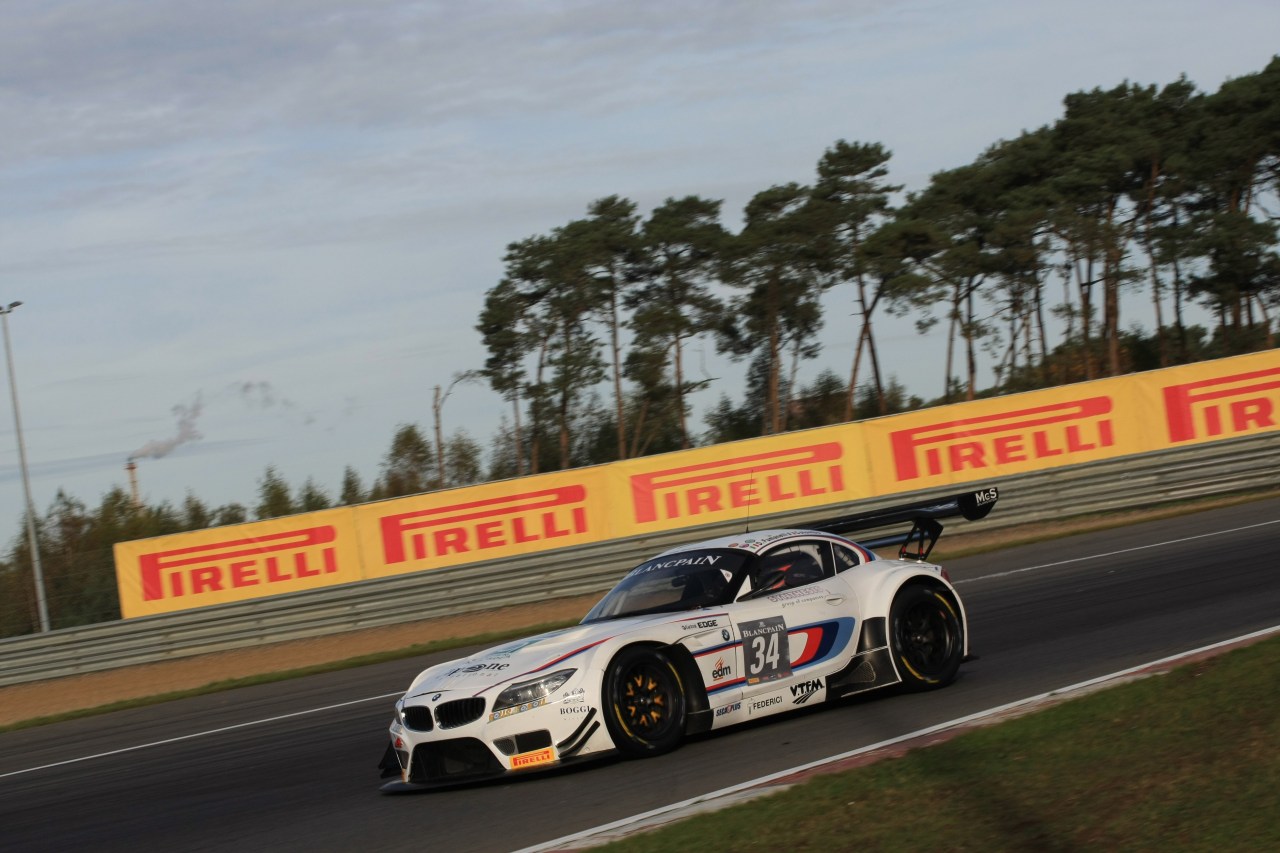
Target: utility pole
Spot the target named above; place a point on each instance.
(33, 542)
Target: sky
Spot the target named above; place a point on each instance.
(249, 234)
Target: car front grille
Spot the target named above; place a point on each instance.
(418, 718)
(459, 712)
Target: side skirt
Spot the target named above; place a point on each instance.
(871, 668)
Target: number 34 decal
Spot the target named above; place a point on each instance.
(764, 647)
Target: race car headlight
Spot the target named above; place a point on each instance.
(532, 690)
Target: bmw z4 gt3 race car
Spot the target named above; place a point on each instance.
(700, 637)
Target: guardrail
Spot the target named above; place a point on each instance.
(1239, 465)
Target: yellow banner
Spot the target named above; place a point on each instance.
(235, 563)
(484, 522)
(1006, 435)
(735, 481)
(977, 441)
(1217, 399)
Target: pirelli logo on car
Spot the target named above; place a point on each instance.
(1043, 435)
(1223, 406)
(475, 529)
(811, 473)
(266, 560)
(533, 759)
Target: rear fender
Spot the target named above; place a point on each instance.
(879, 597)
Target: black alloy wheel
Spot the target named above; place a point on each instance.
(925, 637)
(644, 702)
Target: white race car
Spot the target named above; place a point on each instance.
(699, 637)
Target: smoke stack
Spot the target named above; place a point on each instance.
(131, 468)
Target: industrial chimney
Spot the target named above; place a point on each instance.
(131, 468)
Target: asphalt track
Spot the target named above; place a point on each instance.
(291, 766)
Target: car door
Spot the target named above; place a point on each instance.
(794, 620)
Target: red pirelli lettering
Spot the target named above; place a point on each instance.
(1234, 404)
(486, 524)
(774, 477)
(238, 563)
(972, 444)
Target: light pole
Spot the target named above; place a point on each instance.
(5, 311)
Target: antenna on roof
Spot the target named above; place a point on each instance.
(751, 500)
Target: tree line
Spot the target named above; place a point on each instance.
(1020, 258)
(1162, 189)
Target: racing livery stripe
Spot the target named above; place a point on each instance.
(734, 682)
(547, 665)
(717, 649)
(822, 640)
(564, 657)
(867, 556)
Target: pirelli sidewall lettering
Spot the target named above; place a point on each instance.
(955, 444)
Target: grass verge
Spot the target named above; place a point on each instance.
(1182, 761)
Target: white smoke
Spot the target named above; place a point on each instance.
(262, 395)
(259, 395)
(187, 432)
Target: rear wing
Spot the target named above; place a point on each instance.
(925, 527)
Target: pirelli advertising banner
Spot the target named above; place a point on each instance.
(942, 446)
(502, 519)
(1216, 400)
(1009, 435)
(234, 563)
(734, 481)
(1072, 424)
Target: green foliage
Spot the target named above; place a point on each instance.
(409, 466)
(351, 492)
(77, 560)
(274, 499)
(463, 460)
(781, 263)
(672, 303)
(852, 183)
(311, 497)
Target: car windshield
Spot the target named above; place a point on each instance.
(673, 582)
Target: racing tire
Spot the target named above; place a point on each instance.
(644, 702)
(925, 637)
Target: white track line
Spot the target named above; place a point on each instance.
(1116, 553)
(203, 734)
(727, 793)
